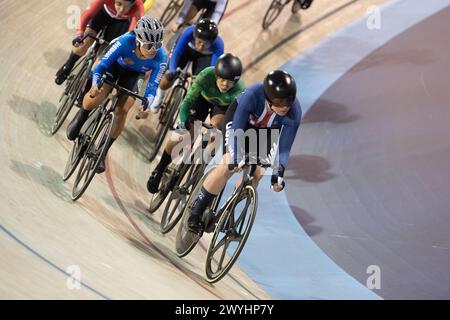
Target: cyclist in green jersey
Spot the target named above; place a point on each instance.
(213, 90)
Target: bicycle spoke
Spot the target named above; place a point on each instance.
(85, 169)
(222, 256)
(218, 245)
(172, 212)
(241, 218)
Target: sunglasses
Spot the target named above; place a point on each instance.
(149, 46)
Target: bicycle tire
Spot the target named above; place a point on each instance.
(192, 175)
(69, 100)
(275, 9)
(77, 149)
(107, 122)
(183, 233)
(212, 276)
(170, 11)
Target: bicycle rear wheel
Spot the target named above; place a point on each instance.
(178, 197)
(231, 233)
(80, 144)
(74, 86)
(168, 181)
(185, 239)
(171, 11)
(92, 157)
(273, 12)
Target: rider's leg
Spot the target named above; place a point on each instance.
(212, 186)
(217, 179)
(73, 130)
(193, 10)
(128, 80)
(124, 105)
(75, 55)
(165, 83)
(201, 108)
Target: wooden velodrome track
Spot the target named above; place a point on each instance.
(118, 249)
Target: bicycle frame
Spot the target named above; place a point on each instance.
(215, 213)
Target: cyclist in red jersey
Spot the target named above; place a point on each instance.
(117, 16)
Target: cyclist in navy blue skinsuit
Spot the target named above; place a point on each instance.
(199, 44)
(127, 58)
(263, 107)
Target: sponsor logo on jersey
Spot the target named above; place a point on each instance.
(111, 50)
(128, 61)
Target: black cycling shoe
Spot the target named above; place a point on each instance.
(195, 224)
(101, 166)
(79, 101)
(153, 181)
(74, 127)
(306, 4)
(62, 75)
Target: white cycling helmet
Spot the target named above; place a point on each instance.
(149, 30)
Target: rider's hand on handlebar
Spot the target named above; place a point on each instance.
(77, 41)
(278, 187)
(95, 91)
(277, 181)
(236, 167)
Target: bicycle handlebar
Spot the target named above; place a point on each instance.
(96, 39)
(183, 75)
(125, 91)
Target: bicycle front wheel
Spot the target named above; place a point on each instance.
(273, 12)
(92, 157)
(185, 239)
(179, 196)
(80, 144)
(231, 233)
(171, 11)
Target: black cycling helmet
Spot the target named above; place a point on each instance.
(228, 67)
(280, 88)
(206, 30)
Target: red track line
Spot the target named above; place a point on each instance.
(149, 242)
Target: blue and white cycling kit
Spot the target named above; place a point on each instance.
(122, 52)
(251, 112)
(185, 41)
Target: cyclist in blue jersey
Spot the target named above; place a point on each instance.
(263, 107)
(199, 44)
(125, 60)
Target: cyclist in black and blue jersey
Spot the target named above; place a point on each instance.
(199, 44)
(270, 105)
(125, 60)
